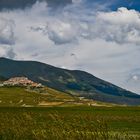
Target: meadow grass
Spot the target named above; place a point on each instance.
(70, 123)
(20, 96)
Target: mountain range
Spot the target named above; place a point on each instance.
(74, 82)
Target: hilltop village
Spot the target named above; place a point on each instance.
(21, 81)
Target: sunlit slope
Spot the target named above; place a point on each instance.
(20, 96)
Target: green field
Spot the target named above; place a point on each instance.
(48, 114)
(20, 96)
(26, 97)
(70, 123)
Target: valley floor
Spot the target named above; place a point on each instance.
(70, 123)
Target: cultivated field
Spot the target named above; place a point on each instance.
(70, 123)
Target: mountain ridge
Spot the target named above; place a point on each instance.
(75, 82)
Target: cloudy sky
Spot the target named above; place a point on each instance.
(98, 36)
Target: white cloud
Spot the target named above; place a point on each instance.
(122, 26)
(61, 32)
(105, 44)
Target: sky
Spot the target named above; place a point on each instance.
(98, 36)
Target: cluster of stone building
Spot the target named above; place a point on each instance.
(21, 81)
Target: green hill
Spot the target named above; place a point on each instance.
(21, 96)
(37, 97)
(73, 82)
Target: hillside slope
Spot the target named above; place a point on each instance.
(25, 97)
(74, 82)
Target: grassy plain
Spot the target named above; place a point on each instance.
(47, 114)
(69, 123)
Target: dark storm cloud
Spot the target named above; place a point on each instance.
(13, 4)
(112, 4)
(21, 4)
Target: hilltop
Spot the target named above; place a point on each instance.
(74, 82)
